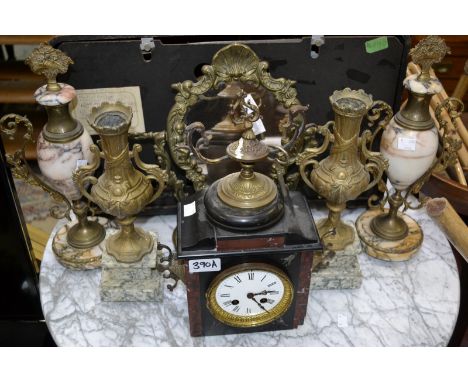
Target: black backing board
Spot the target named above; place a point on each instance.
(116, 61)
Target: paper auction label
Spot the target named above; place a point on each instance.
(258, 126)
(86, 99)
(190, 209)
(406, 144)
(205, 265)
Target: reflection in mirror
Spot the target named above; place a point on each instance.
(218, 110)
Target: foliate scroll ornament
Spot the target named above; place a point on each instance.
(235, 62)
(308, 156)
(49, 62)
(428, 52)
(292, 140)
(163, 159)
(378, 117)
(10, 125)
(169, 267)
(153, 172)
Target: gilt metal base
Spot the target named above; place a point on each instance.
(137, 281)
(74, 258)
(87, 235)
(130, 243)
(336, 237)
(389, 250)
(340, 270)
(254, 192)
(245, 219)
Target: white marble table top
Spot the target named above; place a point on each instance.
(413, 303)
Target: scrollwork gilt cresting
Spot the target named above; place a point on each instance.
(235, 62)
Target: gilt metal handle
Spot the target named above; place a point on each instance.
(153, 172)
(376, 163)
(307, 157)
(9, 126)
(84, 175)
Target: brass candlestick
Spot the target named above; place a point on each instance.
(121, 191)
(410, 143)
(346, 172)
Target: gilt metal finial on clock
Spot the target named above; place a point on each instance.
(49, 62)
(429, 51)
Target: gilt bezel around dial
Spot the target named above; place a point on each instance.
(249, 311)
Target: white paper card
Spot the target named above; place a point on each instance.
(258, 126)
(81, 162)
(205, 265)
(342, 321)
(406, 144)
(190, 209)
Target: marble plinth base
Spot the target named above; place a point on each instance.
(413, 303)
(75, 258)
(139, 281)
(388, 250)
(339, 271)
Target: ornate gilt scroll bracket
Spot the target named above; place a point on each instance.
(153, 172)
(168, 268)
(10, 125)
(233, 63)
(163, 159)
(308, 156)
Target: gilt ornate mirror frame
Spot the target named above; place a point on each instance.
(234, 62)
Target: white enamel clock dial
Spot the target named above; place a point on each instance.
(250, 294)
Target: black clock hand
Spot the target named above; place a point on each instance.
(264, 292)
(260, 305)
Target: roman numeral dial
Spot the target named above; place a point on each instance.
(249, 295)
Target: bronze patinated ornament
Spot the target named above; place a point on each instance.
(255, 194)
(122, 190)
(49, 62)
(410, 143)
(346, 172)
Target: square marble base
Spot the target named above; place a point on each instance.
(138, 281)
(341, 271)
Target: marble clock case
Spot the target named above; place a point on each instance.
(290, 245)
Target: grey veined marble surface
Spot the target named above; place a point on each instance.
(413, 303)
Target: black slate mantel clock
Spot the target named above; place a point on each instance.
(246, 282)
